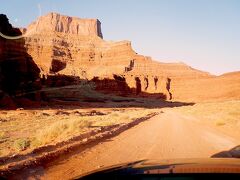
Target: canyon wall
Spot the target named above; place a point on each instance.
(54, 22)
(74, 47)
(18, 72)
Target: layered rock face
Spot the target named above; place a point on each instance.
(54, 22)
(73, 46)
(18, 72)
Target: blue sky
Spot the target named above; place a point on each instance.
(204, 34)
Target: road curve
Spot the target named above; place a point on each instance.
(168, 135)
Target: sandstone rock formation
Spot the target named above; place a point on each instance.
(54, 22)
(18, 72)
(74, 46)
(224, 87)
(69, 46)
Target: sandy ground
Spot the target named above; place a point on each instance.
(41, 127)
(169, 135)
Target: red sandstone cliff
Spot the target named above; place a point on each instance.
(72, 46)
(54, 22)
(18, 72)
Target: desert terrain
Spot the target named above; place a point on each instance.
(176, 132)
(72, 102)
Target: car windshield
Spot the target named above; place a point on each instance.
(89, 84)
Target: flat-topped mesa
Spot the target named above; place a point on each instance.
(54, 22)
(69, 46)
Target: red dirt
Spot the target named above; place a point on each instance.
(169, 135)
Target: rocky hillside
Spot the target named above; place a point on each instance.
(18, 72)
(71, 46)
(224, 87)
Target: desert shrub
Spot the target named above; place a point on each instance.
(45, 114)
(94, 113)
(21, 144)
(126, 117)
(62, 113)
(61, 129)
(235, 113)
(220, 123)
(105, 123)
(2, 136)
(3, 120)
(115, 114)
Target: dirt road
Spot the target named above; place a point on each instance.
(166, 136)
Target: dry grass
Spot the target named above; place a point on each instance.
(60, 130)
(2, 135)
(66, 128)
(21, 144)
(219, 113)
(220, 123)
(28, 129)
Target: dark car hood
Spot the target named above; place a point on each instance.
(174, 166)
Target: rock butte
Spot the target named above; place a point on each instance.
(73, 46)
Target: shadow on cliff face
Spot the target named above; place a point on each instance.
(21, 86)
(119, 86)
(62, 91)
(18, 72)
(71, 92)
